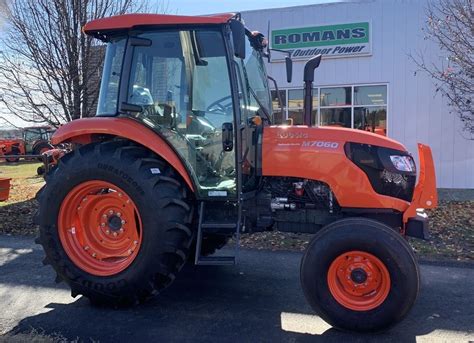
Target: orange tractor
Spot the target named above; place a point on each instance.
(34, 141)
(183, 155)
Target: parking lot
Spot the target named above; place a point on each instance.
(258, 300)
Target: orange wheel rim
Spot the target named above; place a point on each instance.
(100, 228)
(358, 281)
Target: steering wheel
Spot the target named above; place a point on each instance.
(220, 106)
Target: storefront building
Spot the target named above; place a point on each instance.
(368, 79)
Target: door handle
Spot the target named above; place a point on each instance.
(227, 136)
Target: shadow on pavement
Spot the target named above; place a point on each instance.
(244, 303)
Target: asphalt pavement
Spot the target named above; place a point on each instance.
(259, 300)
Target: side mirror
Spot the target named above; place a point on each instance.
(238, 38)
(227, 137)
(289, 69)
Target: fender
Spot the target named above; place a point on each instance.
(81, 131)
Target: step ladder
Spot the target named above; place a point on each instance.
(210, 227)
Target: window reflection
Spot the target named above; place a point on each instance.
(336, 96)
(372, 119)
(336, 117)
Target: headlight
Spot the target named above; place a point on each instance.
(403, 163)
(391, 172)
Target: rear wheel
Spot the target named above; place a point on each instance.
(359, 274)
(115, 223)
(40, 148)
(14, 151)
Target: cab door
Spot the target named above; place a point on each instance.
(255, 112)
(180, 82)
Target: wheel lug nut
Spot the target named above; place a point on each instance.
(115, 234)
(119, 214)
(86, 248)
(121, 230)
(103, 224)
(130, 251)
(120, 194)
(107, 232)
(79, 208)
(123, 222)
(111, 212)
(104, 216)
(94, 254)
(135, 242)
(85, 199)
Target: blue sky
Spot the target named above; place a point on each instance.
(194, 7)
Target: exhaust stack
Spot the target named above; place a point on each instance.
(309, 68)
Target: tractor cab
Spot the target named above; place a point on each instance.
(201, 87)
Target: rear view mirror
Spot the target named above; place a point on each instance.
(238, 38)
(289, 69)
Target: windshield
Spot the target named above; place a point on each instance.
(255, 82)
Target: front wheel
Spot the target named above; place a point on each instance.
(360, 275)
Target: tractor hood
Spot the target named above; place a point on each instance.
(305, 137)
(318, 153)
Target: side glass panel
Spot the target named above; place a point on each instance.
(255, 99)
(109, 88)
(182, 84)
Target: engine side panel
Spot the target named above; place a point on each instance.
(318, 154)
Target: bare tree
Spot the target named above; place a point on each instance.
(450, 23)
(47, 62)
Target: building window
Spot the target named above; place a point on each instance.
(370, 109)
(279, 116)
(359, 107)
(295, 105)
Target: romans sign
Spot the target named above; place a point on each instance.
(331, 41)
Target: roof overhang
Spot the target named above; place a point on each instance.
(100, 28)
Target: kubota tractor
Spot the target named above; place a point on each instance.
(183, 155)
(34, 141)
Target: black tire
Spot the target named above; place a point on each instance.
(14, 151)
(38, 147)
(372, 237)
(163, 204)
(40, 170)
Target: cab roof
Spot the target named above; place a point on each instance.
(100, 27)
